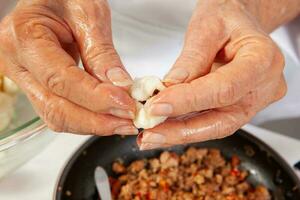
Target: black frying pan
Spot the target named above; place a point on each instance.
(264, 164)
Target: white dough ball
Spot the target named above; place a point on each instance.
(141, 90)
(144, 120)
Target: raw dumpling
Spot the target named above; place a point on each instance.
(144, 120)
(142, 90)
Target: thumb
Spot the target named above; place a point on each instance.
(90, 22)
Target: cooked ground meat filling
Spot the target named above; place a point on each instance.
(197, 174)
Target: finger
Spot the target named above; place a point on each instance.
(63, 116)
(204, 38)
(91, 24)
(213, 124)
(282, 89)
(225, 86)
(57, 71)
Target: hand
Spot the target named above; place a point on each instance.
(229, 70)
(40, 43)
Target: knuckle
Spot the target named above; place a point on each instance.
(22, 28)
(260, 47)
(225, 131)
(226, 127)
(218, 129)
(270, 45)
(265, 55)
(104, 88)
(54, 115)
(193, 57)
(32, 23)
(266, 41)
(186, 133)
(56, 82)
(100, 49)
(279, 59)
(272, 53)
(225, 93)
(108, 91)
(282, 90)
(265, 50)
(192, 98)
(103, 54)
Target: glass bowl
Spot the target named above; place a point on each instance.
(24, 138)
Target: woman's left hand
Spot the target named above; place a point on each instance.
(229, 70)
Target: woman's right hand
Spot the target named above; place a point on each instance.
(40, 43)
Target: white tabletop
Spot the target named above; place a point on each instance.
(36, 179)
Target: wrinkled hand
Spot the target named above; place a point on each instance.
(40, 43)
(229, 70)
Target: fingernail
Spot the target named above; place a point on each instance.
(122, 113)
(148, 146)
(177, 75)
(126, 130)
(118, 77)
(161, 109)
(155, 138)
